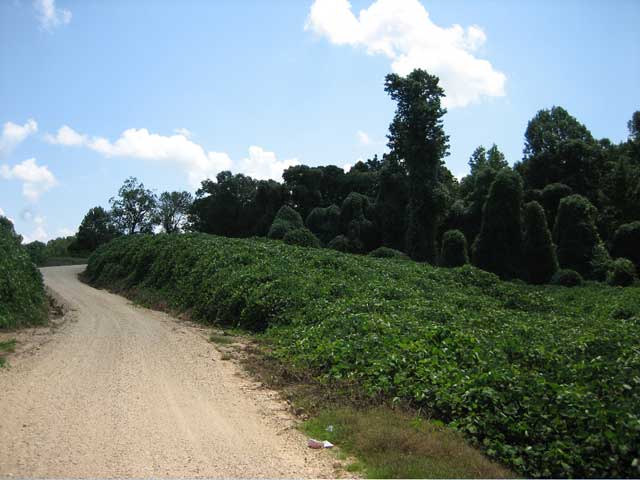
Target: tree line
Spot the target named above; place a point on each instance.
(569, 209)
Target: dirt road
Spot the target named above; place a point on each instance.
(124, 391)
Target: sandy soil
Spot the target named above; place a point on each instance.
(119, 390)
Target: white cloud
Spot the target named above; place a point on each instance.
(402, 31)
(49, 15)
(36, 179)
(178, 149)
(185, 132)
(363, 138)
(263, 165)
(66, 136)
(39, 233)
(13, 134)
(346, 167)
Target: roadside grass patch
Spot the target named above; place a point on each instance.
(7, 346)
(392, 444)
(221, 339)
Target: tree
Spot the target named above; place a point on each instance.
(538, 251)
(134, 209)
(497, 248)
(482, 158)
(416, 136)
(575, 234)
(391, 204)
(304, 183)
(454, 249)
(36, 251)
(286, 220)
(173, 208)
(324, 222)
(356, 221)
(226, 206)
(626, 243)
(95, 229)
(302, 237)
(551, 196)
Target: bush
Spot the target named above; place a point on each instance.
(285, 220)
(538, 251)
(454, 249)
(540, 377)
(575, 234)
(626, 243)
(340, 243)
(623, 272)
(551, 196)
(302, 237)
(386, 252)
(324, 222)
(567, 278)
(497, 248)
(22, 297)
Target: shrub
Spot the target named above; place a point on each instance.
(575, 234)
(538, 251)
(324, 222)
(302, 237)
(567, 278)
(551, 196)
(285, 220)
(622, 273)
(600, 263)
(340, 243)
(22, 297)
(386, 252)
(497, 248)
(355, 221)
(626, 243)
(454, 249)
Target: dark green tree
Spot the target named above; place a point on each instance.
(497, 248)
(324, 222)
(173, 208)
(36, 251)
(134, 209)
(96, 228)
(538, 251)
(356, 221)
(417, 138)
(626, 243)
(304, 183)
(286, 220)
(454, 249)
(302, 237)
(575, 234)
(551, 196)
(391, 204)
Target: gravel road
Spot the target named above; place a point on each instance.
(120, 390)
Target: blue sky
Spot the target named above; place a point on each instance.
(94, 91)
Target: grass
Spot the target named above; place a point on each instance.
(6, 346)
(392, 444)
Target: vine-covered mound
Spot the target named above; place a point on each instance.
(545, 379)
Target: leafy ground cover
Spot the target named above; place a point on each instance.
(545, 379)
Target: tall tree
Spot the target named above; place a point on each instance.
(96, 228)
(416, 136)
(134, 209)
(173, 208)
(497, 248)
(538, 250)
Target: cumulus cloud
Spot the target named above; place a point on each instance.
(402, 31)
(177, 149)
(49, 15)
(13, 134)
(264, 165)
(363, 137)
(66, 136)
(185, 132)
(36, 179)
(39, 231)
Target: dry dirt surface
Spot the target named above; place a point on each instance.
(123, 391)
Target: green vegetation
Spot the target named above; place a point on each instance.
(544, 379)
(454, 249)
(302, 237)
(567, 278)
(390, 444)
(537, 248)
(22, 298)
(6, 346)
